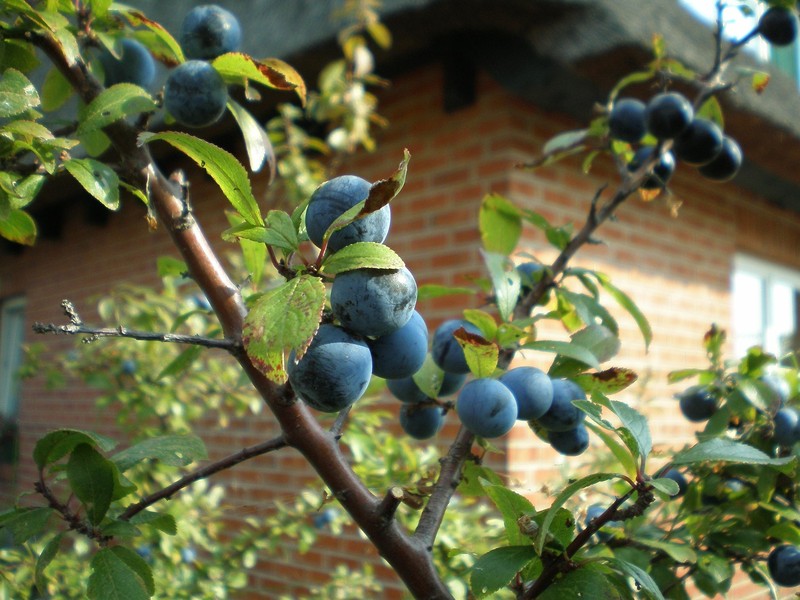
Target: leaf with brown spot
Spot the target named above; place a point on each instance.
(136, 18)
(382, 191)
(481, 354)
(283, 319)
(609, 381)
(237, 67)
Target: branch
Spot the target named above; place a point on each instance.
(444, 488)
(97, 332)
(203, 473)
(73, 520)
(411, 560)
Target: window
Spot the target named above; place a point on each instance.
(12, 325)
(766, 307)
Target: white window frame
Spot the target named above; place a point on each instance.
(12, 334)
(770, 273)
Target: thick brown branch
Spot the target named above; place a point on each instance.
(203, 473)
(410, 559)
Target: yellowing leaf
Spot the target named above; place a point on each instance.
(283, 319)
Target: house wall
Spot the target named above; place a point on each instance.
(676, 269)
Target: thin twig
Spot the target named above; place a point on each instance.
(444, 488)
(148, 336)
(202, 473)
(72, 519)
(341, 419)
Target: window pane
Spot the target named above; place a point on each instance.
(782, 330)
(748, 311)
(12, 323)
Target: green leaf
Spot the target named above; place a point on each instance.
(162, 521)
(278, 232)
(112, 104)
(483, 321)
(57, 444)
(173, 450)
(568, 349)
(120, 529)
(636, 424)
(58, 26)
(676, 376)
(236, 67)
(221, 165)
(95, 143)
(429, 377)
(283, 319)
(625, 302)
(168, 266)
(583, 583)
(620, 452)
(56, 90)
(362, 255)
(644, 582)
(495, 569)
(473, 478)
(91, 477)
(181, 362)
(665, 485)
(565, 495)
(19, 227)
(500, 224)
(97, 178)
(113, 579)
(25, 523)
(681, 553)
(599, 340)
(481, 355)
(254, 254)
(137, 18)
(564, 142)
(786, 532)
(505, 281)
(712, 111)
(27, 131)
(719, 450)
(512, 506)
(433, 290)
(256, 140)
(45, 558)
(138, 565)
(637, 77)
(17, 94)
(380, 34)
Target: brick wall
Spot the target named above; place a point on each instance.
(677, 270)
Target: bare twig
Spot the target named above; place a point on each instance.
(341, 419)
(445, 487)
(202, 473)
(97, 332)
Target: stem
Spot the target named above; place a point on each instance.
(202, 473)
(148, 336)
(444, 488)
(411, 560)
